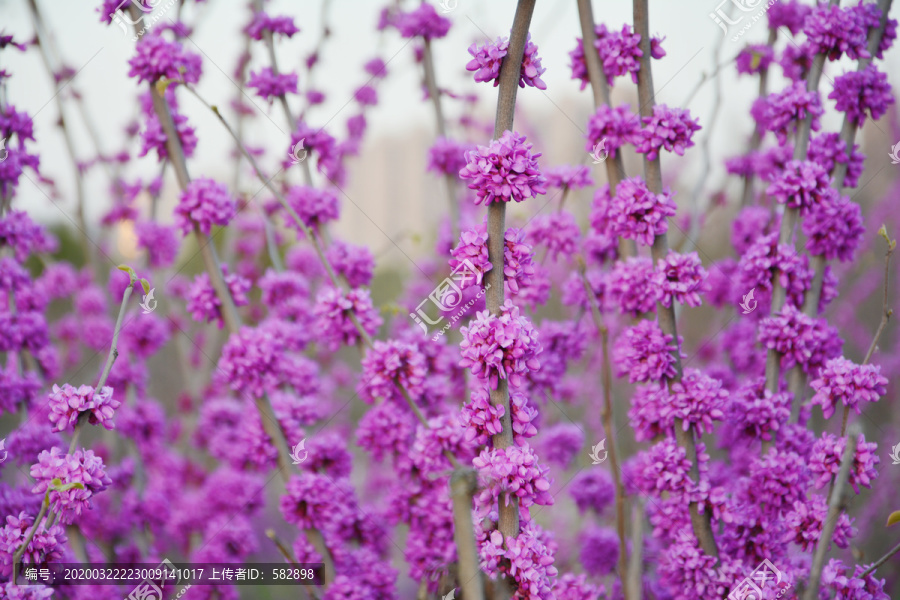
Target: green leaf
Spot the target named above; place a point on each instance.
(162, 84)
(61, 487)
(146, 285)
(893, 518)
(127, 269)
(56, 482)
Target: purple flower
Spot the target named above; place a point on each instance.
(334, 310)
(255, 360)
(782, 111)
(803, 185)
(160, 242)
(776, 480)
(826, 456)
(755, 58)
(354, 263)
(501, 346)
(487, 58)
(317, 501)
(756, 412)
(680, 278)
(852, 587)
(639, 214)
(389, 364)
(366, 95)
(515, 471)
(45, 547)
(619, 53)
(599, 550)
(805, 521)
(81, 467)
(796, 61)
(788, 13)
(282, 25)
(571, 177)
(156, 58)
(834, 228)
(558, 232)
(315, 206)
(646, 413)
(862, 93)
(447, 156)
(203, 204)
(668, 128)
(67, 403)
(503, 171)
(203, 302)
(269, 86)
(613, 128)
(841, 381)
(630, 286)
(423, 21)
(592, 489)
(561, 442)
(376, 68)
(835, 31)
(572, 587)
(697, 400)
(799, 339)
(644, 353)
(828, 149)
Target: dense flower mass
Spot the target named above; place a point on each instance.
(671, 129)
(505, 170)
(395, 390)
(843, 382)
(501, 346)
(68, 403)
(203, 204)
(639, 214)
(487, 58)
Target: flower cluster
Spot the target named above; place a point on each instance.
(799, 339)
(514, 472)
(671, 129)
(202, 204)
(680, 278)
(827, 454)
(157, 58)
(204, 304)
(611, 128)
(334, 312)
(782, 111)
(619, 54)
(67, 404)
(645, 353)
(315, 206)
(389, 364)
(842, 382)
(487, 58)
(503, 346)
(270, 85)
(803, 185)
(862, 93)
(82, 467)
(505, 170)
(639, 214)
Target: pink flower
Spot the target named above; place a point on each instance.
(503, 171)
(842, 382)
(500, 347)
(637, 213)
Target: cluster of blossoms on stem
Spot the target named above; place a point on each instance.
(67, 403)
(204, 203)
(637, 213)
(619, 54)
(841, 381)
(503, 346)
(487, 58)
(82, 467)
(505, 170)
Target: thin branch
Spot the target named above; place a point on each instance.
(880, 561)
(510, 71)
(834, 509)
(700, 521)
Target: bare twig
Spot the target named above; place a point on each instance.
(606, 417)
(880, 562)
(462, 489)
